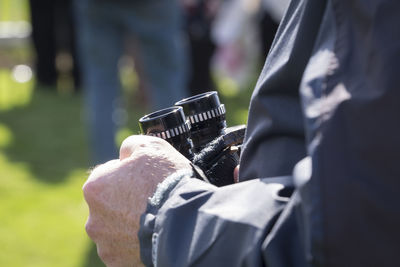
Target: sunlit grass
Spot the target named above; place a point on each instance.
(6, 136)
(14, 10)
(41, 224)
(227, 87)
(13, 93)
(122, 134)
(44, 158)
(43, 163)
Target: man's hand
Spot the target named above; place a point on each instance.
(117, 193)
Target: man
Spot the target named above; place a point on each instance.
(328, 92)
(104, 28)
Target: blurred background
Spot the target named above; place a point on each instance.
(45, 150)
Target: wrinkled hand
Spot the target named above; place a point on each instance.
(117, 192)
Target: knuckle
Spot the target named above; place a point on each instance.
(142, 144)
(125, 152)
(129, 140)
(90, 190)
(91, 229)
(95, 185)
(134, 141)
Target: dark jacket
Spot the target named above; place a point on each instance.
(329, 91)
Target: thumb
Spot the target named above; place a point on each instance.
(138, 142)
(129, 145)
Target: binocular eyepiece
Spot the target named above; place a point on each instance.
(171, 125)
(194, 123)
(206, 116)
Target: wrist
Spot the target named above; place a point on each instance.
(164, 188)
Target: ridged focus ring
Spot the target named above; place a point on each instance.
(167, 134)
(207, 115)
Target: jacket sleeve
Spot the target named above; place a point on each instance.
(343, 58)
(246, 224)
(275, 137)
(203, 225)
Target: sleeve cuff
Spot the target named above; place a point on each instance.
(164, 188)
(147, 220)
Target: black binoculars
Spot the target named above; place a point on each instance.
(196, 127)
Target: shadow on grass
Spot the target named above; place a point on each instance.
(48, 135)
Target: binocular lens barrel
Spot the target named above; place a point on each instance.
(195, 123)
(207, 118)
(169, 124)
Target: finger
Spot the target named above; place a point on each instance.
(136, 142)
(91, 229)
(236, 174)
(131, 143)
(127, 147)
(102, 169)
(93, 186)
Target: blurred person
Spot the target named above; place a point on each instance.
(319, 169)
(53, 31)
(232, 18)
(243, 32)
(236, 35)
(199, 16)
(104, 27)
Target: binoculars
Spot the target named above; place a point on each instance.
(196, 127)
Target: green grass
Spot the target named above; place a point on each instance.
(43, 164)
(14, 10)
(44, 161)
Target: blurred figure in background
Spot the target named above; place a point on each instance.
(238, 32)
(103, 28)
(53, 31)
(243, 32)
(199, 16)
